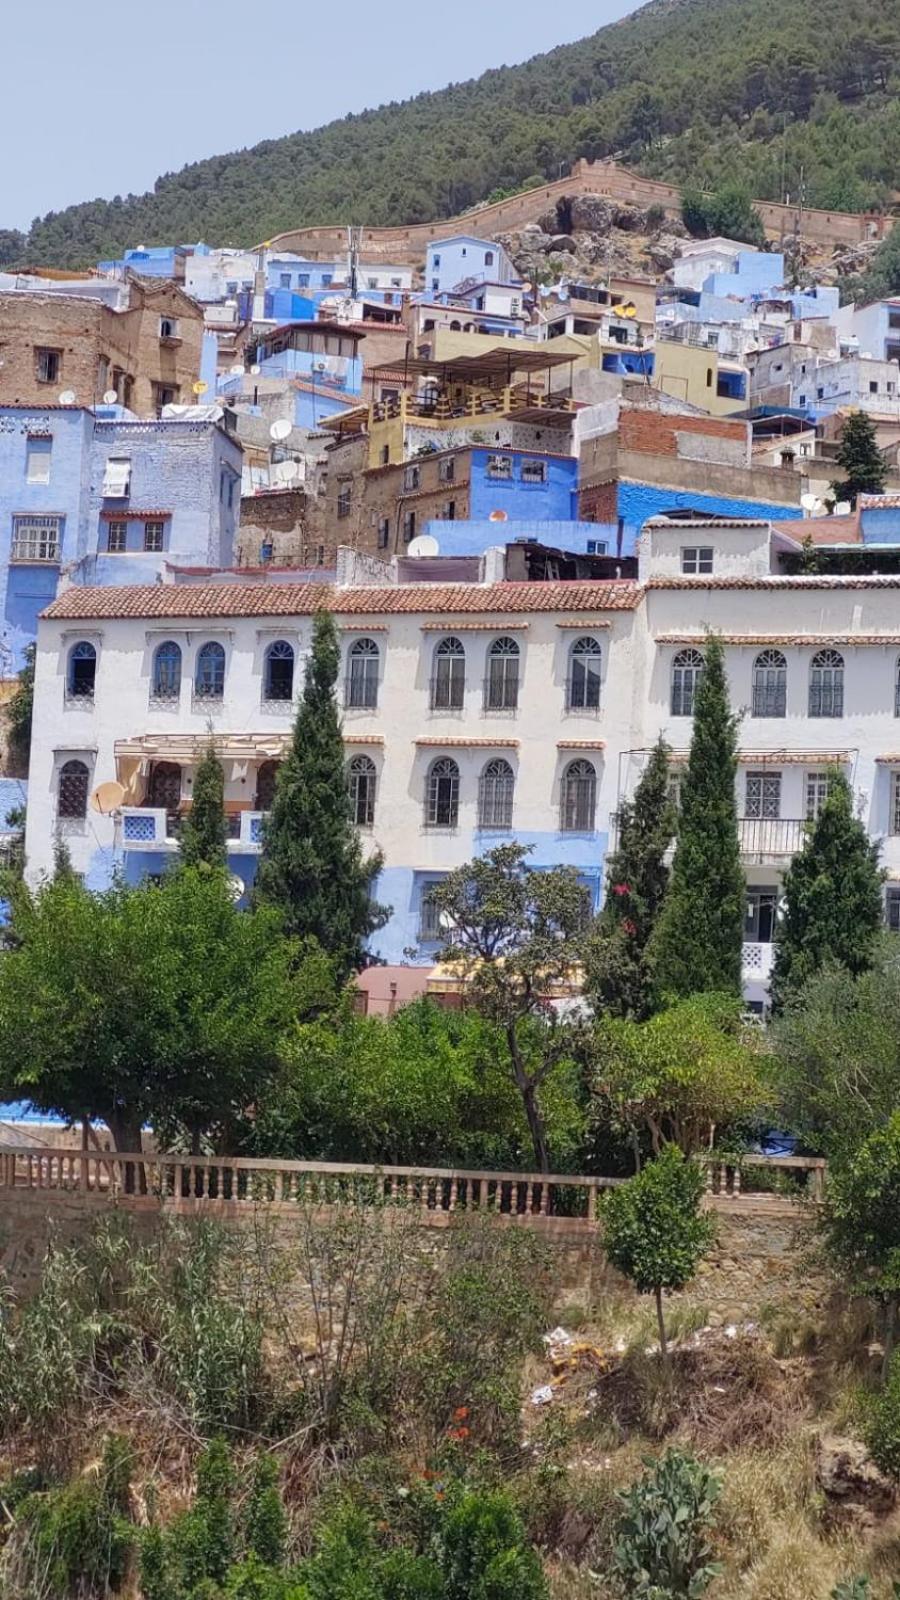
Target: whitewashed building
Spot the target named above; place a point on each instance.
(474, 712)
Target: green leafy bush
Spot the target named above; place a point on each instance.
(78, 1538)
(662, 1546)
(485, 1556)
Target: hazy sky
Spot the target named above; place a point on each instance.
(100, 97)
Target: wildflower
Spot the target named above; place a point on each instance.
(621, 888)
(628, 926)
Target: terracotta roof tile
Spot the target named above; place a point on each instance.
(302, 599)
(778, 581)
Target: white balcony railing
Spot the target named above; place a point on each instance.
(153, 828)
(757, 961)
(764, 838)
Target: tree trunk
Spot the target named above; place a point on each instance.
(126, 1135)
(527, 1090)
(663, 1345)
(890, 1334)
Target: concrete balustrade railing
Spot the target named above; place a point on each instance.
(229, 1185)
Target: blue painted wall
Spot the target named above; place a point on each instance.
(301, 364)
(554, 500)
(313, 404)
(757, 272)
(638, 501)
(471, 538)
(303, 275)
(881, 525)
(450, 261)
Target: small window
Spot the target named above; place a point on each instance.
(585, 660)
(47, 365)
(117, 478)
(384, 532)
(579, 798)
(362, 779)
(164, 790)
(762, 795)
(278, 677)
(435, 261)
(769, 685)
(430, 929)
(489, 258)
(327, 279)
(447, 469)
(596, 547)
(709, 377)
(448, 685)
(816, 789)
(892, 908)
(534, 472)
(302, 280)
(154, 535)
(116, 538)
(320, 555)
(873, 387)
(501, 690)
(409, 526)
(209, 678)
(37, 459)
(361, 693)
(696, 559)
(166, 683)
(384, 455)
(168, 328)
(686, 670)
(895, 802)
(284, 280)
(495, 795)
(36, 538)
(826, 684)
(411, 478)
(499, 467)
(442, 794)
(343, 500)
(72, 790)
(82, 675)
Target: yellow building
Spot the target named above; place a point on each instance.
(701, 377)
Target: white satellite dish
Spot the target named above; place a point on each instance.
(287, 471)
(256, 369)
(237, 370)
(67, 398)
(110, 397)
(280, 429)
(843, 508)
(424, 544)
(236, 887)
(809, 501)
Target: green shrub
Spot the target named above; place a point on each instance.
(882, 1425)
(77, 1538)
(485, 1556)
(265, 1523)
(662, 1546)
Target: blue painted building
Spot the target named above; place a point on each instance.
(471, 538)
(103, 497)
(463, 257)
(324, 352)
(523, 484)
(636, 502)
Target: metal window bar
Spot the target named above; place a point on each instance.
(501, 688)
(763, 794)
(442, 807)
(826, 692)
(584, 686)
(448, 684)
(769, 692)
(579, 804)
(361, 688)
(495, 799)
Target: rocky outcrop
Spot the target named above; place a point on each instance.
(857, 1495)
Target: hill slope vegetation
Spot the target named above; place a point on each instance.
(776, 92)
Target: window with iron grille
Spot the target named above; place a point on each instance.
(362, 778)
(362, 675)
(534, 472)
(442, 794)
(167, 671)
(429, 915)
(409, 526)
(209, 677)
(384, 533)
(154, 535)
(686, 670)
(502, 687)
(579, 798)
(696, 559)
(585, 661)
(343, 500)
(495, 795)
(278, 676)
(36, 538)
(411, 478)
(826, 684)
(769, 685)
(897, 690)
(47, 365)
(892, 907)
(895, 802)
(762, 794)
(448, 685)
(164, 788)
(116, 538)
(82, 673)
(499, 467)
(72, 789)
(447, 469)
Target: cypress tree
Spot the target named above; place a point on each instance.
(696, 947)
(860, 458)
(832, 894)
(618, 972)
(203, 835)
(311, 867)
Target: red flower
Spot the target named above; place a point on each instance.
(621, 888)
(460, 1414)
(628, 926)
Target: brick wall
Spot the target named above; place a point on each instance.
(653, 433)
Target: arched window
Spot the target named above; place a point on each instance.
(82, 675)
(278, 671)
(585, 660)
(579, 798)
(501, 691)
(72, 793)
(166, 682)
(495, 795)
(826, 684)
(362, 675)
(442, 794)
(769, 684)
(164, 788)
(209, 679)
(686, 670)
(362, 776)
(448, 685)
(266, 777)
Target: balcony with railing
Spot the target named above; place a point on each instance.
(757, 960)
(764, 839)
(152, 828)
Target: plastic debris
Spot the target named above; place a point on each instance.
(542, 1395)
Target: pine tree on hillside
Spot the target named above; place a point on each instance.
(618, 973)
(860, 458)
(311, 867)
(203, 835)
(832, 893)
(696, 947)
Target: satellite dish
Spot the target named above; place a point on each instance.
(286, 471)
(237, 370)
(497, 516)
(199, 387)
(236, 887)
(809, 501)
(843, 508)
(280, 429)
(67, 398)
(107, 798)
(424, 545)
(256, 369)
(110, 397)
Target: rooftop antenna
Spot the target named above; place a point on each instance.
(354, 239)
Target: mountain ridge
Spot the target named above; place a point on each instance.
(686, 90)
